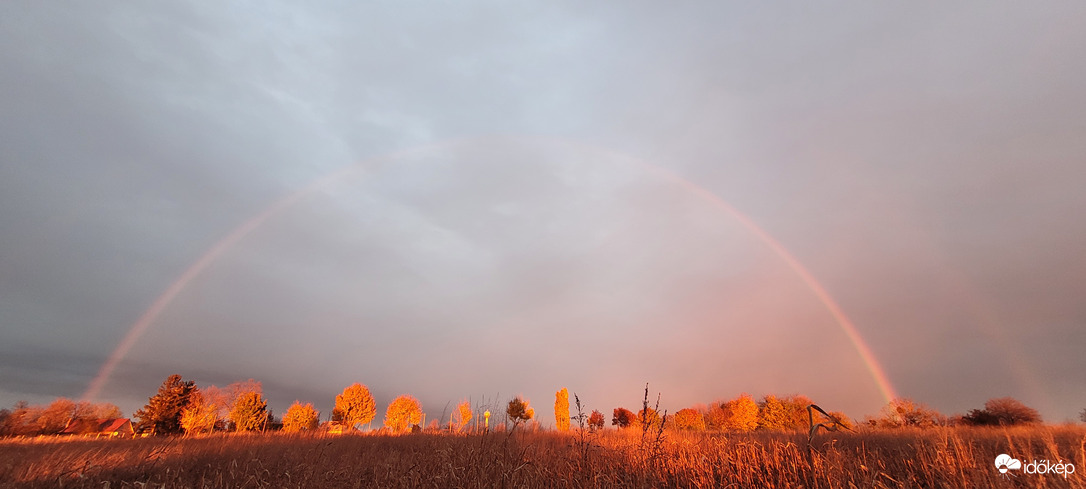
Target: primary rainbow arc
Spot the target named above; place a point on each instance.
(231, 239)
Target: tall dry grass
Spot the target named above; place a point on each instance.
(950, 457)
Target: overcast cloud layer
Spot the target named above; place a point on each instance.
(924, 161)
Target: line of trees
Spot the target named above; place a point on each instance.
(740, 414)
(180, 406)
(906, 413)
(773, 413)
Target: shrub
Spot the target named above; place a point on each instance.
(518, 410)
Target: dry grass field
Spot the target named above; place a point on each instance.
(935, 458)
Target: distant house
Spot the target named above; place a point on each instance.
(336, 428)
(99, 427)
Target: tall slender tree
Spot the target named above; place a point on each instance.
(561, 409)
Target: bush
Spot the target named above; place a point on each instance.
(518, 411)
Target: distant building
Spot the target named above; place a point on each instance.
(336, 428)
(99, 427)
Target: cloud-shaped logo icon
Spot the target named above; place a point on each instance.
(1004, 463)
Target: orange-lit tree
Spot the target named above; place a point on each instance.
(1009, 411)
(648, 417)
(300, 417)
(223, 399)
(55, 417)
(797, 408)
(906, 413)
(773, 414)
(596, 420)
(238, 389)
(402, 413)
(250, 412)
(21, 420)
(87, 410)
(162, 414)
(689, 419)
(200, 415)
(843, 419)
(355, 406)
(561, 410)
(462, 416)
(740, 414)
(60, 415)
(623, 418)
(1004, 411)
(518, 411)
(716, 418)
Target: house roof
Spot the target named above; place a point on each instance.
(111, 425)
(78, 426)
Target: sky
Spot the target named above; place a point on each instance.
(476, 200)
